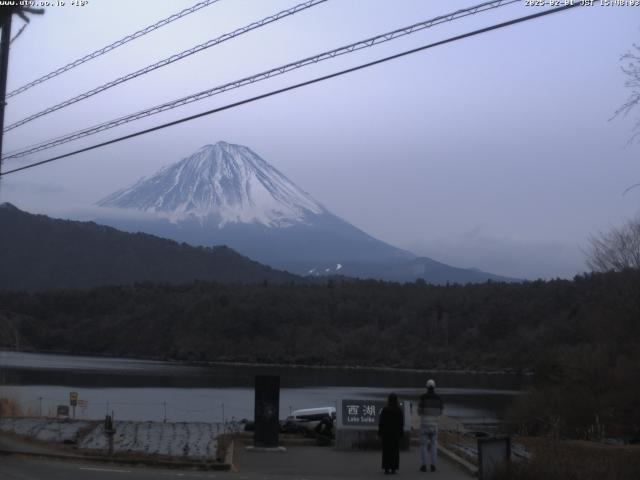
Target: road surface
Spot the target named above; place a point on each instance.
(311, 463)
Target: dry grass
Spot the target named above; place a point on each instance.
(563, 459)
(577, 460)
(448, 439)
(10, 407)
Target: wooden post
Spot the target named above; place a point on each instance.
(4, 67)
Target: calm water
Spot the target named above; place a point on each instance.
(151, 390)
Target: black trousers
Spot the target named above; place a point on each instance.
(390, 452)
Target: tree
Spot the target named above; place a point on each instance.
(631, 70)
(616, 250)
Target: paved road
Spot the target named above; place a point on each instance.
(15, 467)
(311, 463)
(320, 463)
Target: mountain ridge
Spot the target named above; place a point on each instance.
(44, 253)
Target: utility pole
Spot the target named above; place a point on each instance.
(6, 14)
(4, 65)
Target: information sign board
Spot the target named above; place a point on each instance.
(364, 414)
(361, 413)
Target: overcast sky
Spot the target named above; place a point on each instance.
(492, 152)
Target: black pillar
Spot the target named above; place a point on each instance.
(267, 408)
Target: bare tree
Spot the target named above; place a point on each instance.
(631, 70)
(618, 249)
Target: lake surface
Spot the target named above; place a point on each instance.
(154, 390)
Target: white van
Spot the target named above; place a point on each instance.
(309, 418)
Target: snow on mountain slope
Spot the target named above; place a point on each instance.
(225, 194)
(226, 182)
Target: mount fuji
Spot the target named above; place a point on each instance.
(226, 194)
(221, 184)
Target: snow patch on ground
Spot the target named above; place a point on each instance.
(196, 441)
(44, 429)
(186, 440)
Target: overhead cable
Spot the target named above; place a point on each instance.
(169, 60)
(296, 86)
(112, 46)
(19, 33)
(369, 42)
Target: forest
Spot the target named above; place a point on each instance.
(372, 323)
(579, 336)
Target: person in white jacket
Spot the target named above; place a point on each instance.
(430, 407)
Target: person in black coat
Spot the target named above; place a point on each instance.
(391, 428)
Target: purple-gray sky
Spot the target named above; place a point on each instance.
(494, 152)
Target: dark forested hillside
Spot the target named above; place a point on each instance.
(38, 252)
(356, 323)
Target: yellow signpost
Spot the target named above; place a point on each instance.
(73, 401)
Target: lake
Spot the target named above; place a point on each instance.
(154, 390)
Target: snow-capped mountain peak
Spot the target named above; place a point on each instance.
(225, 194)
(225, 182)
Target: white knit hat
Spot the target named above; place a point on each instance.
(431, 383)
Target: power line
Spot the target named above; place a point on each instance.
(18, 34)
(6, 15)
(298, 85)
(113, 46)
(369, 42)
(169, 60)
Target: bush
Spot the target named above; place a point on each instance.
(587, 392)
(577, 461)
(10, 407)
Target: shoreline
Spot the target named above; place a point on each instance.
(380, 368)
